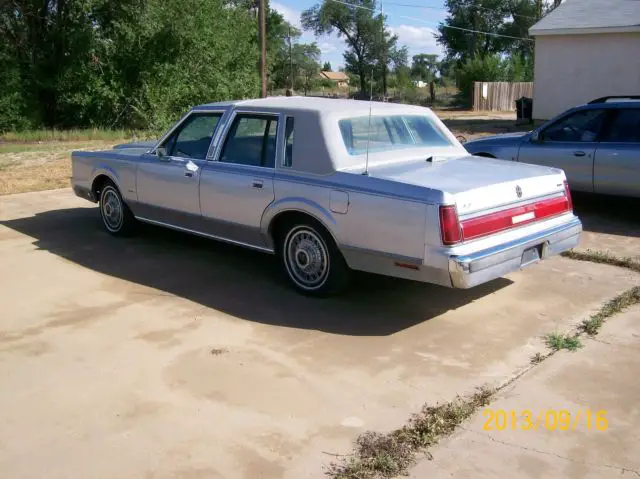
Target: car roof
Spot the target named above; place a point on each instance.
(315, 104)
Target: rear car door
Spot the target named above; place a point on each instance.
(237, 187)
(168, 183)
(617, 159)
(570, 144)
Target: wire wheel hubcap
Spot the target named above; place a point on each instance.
(306, 258)
(111, 210)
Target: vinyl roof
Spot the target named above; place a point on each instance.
(317, 104)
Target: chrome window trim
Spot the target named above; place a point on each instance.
(215, 156)
(177, 124)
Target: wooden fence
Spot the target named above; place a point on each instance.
(499, 96)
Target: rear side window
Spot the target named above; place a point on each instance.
(288, 142)
(251, 141)
(625, 127)
(382, 133)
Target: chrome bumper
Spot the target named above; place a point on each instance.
(477, 268)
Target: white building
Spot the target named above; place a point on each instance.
(585, 49)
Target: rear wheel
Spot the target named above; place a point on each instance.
(311, 260)
(116, 216)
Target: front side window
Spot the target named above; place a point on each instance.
(382, 133)
(583, 126)
(193, 137)
(625, 127)
(251, 141)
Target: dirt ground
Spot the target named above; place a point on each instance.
(170, 356)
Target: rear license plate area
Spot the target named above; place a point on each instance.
(531, 255)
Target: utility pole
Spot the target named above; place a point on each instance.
(263, 47)
(384, 55)
(290, 61)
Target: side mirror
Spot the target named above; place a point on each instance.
(161, 153)
(535, 137)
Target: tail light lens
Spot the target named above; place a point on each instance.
(567, 193)
(449, 225)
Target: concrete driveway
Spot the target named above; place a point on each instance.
(167, 355)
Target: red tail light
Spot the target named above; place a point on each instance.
(567, 193)
(449, 225)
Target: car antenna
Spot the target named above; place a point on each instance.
(366, 161)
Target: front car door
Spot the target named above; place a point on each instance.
(168, 179)
(616, 169)
(570, 144)
(237, 187)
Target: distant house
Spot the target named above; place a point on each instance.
(341, 79)
(585, 49)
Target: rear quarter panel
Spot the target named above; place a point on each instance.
(120, 168)
(360, 221)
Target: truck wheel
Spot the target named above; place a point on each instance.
(312, 261)
(116, 216)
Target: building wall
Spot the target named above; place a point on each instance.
(571, 70)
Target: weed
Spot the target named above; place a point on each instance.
(621, 302)
(603, 258)
(537, 358)
(74, 135)
(557, 341)
(390, 455)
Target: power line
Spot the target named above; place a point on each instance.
(442, 24)
(410, 5)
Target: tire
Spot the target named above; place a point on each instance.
(116, 216)
(311, 260)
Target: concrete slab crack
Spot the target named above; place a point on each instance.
(622, 469)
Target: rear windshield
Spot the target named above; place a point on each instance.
(390, 133)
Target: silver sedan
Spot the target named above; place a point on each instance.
(597, 145)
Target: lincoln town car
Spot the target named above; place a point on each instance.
(331, 186)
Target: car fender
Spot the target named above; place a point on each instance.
(301, 205)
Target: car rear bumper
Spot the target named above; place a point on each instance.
(479, 267)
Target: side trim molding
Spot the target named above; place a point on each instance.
(206, 235)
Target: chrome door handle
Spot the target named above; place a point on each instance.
(257, 184)
(579, 153)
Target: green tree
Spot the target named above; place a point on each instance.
(326, 67)
(424, 67)
(369, 45)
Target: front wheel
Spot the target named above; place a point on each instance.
(116, 216)
(312, 261)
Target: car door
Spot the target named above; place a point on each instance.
(167, 181)
(570, 144)
(237, 187)
(617, 159)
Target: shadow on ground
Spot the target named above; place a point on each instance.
(608, 214)
(237, 281)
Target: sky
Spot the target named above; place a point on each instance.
(414, 26)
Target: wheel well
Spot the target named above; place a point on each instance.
(97, 185)
(486, 155)
(282, 220)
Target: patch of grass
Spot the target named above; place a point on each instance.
(44, 167)
(558, 341)
(603, 258)
(621, 302)
(390, 455)
(29, 136)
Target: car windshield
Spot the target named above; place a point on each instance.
(383, 133)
